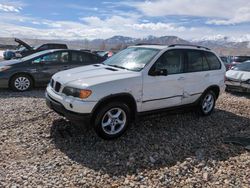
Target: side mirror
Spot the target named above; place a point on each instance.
(159, 72)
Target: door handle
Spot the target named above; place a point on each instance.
(207, 75)
(181, 78)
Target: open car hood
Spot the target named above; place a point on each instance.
(20, 42)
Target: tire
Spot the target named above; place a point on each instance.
(207, 103)
(21, 82)
(112, 120)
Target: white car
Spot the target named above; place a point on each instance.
(138, 80)
(238, 78)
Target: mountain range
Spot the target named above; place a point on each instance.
(221, 44)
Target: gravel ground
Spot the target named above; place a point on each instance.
(38, 148)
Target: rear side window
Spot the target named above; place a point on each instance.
(97, 59)
(83, 58)
(213, 61)
(43, 47)
(59, 46)
(196, 61)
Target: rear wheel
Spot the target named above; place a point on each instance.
(207, 103)
(112, 120)
(21, 82)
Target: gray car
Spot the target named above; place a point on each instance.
(37, 69)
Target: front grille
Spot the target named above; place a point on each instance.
(57, 87)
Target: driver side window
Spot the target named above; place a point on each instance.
(172, 61)
(59, 57)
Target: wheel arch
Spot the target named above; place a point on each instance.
(215, 89)
(21, 73)
(127, 98)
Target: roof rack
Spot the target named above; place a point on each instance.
(191, 45)
(140, 44)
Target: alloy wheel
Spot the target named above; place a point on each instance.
(114, 121)
(208, 103)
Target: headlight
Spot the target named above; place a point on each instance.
(4, 68)
(80, 93)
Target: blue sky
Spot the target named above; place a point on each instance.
(82, 19)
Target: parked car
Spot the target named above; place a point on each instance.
(104, 54)
(238, 78)
(236, 60)
(136, 81)
(227, 61)
(24, 49)
(37, 69)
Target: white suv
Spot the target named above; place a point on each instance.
(137, 80)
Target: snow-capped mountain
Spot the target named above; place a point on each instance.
(217, 42)
(224, 41)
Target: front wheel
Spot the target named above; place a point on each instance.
(21, 82)
(207, 103)
(112, 120)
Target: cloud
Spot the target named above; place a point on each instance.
(224, 12)
(241, 15)
(113, 21)
(9, 8)
(158, 26)
(80, 7)
(132, 18)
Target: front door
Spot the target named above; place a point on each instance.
(50, 64)
(162, 91)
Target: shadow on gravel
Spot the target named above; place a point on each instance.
(240, 94)
(153, 142)
(34, 93)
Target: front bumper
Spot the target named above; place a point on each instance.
(238, 86)
(72, 116)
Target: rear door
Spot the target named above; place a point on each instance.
(197, 75)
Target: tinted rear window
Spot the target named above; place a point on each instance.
(213, 61)
(196, 61)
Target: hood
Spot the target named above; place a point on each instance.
(10, 62)
(93, 74)
(238, 75)
(20, 42)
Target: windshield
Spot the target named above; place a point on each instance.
(35, 55)
(243, 66)
(133, 58)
